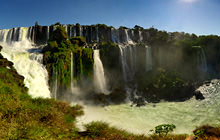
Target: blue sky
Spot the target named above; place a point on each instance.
(192, 16)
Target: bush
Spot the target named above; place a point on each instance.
(207, 131)
(79, 40)
(164, 129)
(59, 34)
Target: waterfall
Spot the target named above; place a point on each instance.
(70, 35)
(99, 75)
(54, 84)
(140, 36)
(28, 64)
(37, 57)
(115, 35)
(128, 60)
(73, 82)
(74, 31)
(97, 34)
(201, 60)
(127, 37)
(128, 57)
(80, 31)
(48, 33)
(148, 58)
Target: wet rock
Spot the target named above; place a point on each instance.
(139, 102)
(117, 96)
(199, 96)
(207, 83)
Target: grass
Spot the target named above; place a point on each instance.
(102, 131)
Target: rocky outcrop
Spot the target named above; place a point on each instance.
(9, 65)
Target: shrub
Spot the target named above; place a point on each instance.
(79, 40)
(59, 34)
(164, 129)
(207, 131)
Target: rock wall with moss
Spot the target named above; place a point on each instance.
(58, 56)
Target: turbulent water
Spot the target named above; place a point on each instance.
(99, 75)
(28, 64)
(185, 115)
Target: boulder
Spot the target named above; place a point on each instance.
(198, 95)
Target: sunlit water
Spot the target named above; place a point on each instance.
(28, 65)
(185, 115)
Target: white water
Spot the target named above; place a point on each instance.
(74, 89)
(99, 75)
(185, 115)
(127, 37)
(97, 34)
(71, 65)
(48, 32)
(148, 58)
(27, 64)
(202, 61)
(55, 84)
(115, 35)
(128, 60)
(140, 36)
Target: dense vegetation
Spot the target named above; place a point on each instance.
(166, 85)
(58, 55)
(179, 50)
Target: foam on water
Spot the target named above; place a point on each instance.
(185, 115)
(28, 65)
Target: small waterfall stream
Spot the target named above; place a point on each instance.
(148, 58)
(202, 61)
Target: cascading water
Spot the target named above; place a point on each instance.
(115, 35)
(97, 34)
(148, 58)
(72, 83)
(99, 75)
(54, 90)
(128, 60)
(48, 32)
(127, 37)
(74, 88)
(202, 64)
(140, 36)
(16, 47)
